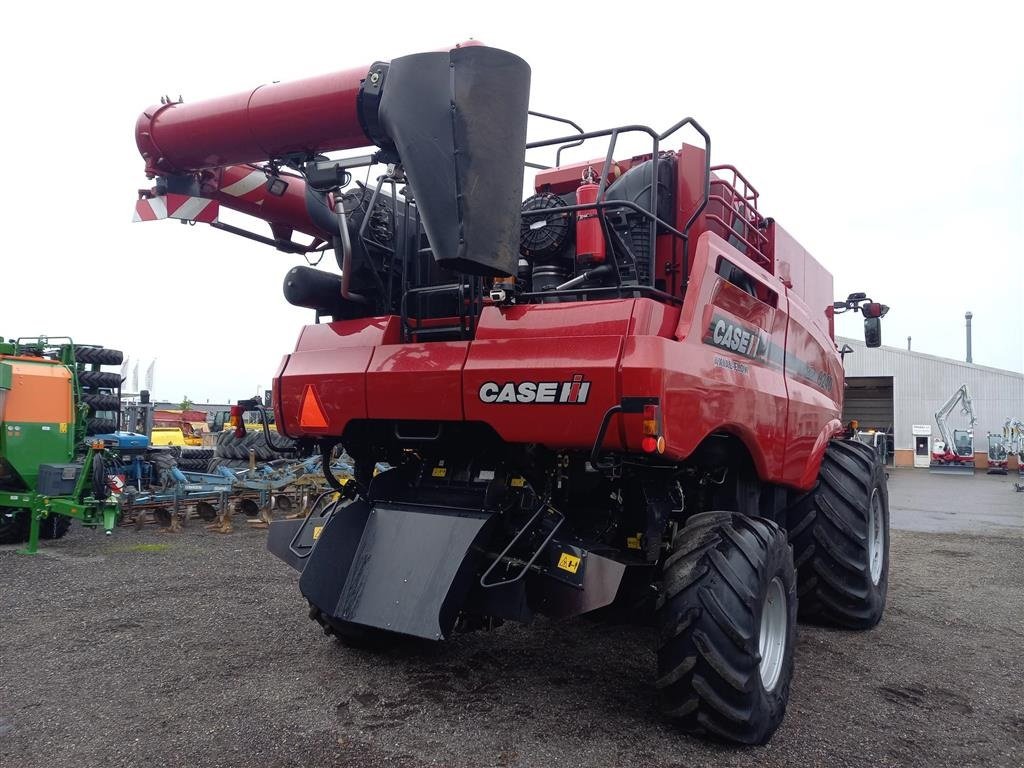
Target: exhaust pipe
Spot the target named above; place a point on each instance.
(968, 317)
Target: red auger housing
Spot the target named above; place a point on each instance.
(551, 405)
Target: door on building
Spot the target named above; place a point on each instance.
(869, 401)
(922, 444)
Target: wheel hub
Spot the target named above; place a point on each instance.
(876, 536)
(774, 633)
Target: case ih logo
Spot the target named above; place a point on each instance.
(749, 342)
(572, 392)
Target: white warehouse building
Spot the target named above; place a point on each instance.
(892, 390)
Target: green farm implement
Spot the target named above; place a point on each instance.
(52, 396)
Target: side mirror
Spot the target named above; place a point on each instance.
(873, 331)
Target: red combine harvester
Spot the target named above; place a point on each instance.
(621, 395)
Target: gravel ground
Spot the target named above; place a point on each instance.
(151, 649)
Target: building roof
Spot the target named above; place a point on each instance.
(859, 346)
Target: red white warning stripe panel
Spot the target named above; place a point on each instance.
(239, 181)
(150, 209)
(184, 207)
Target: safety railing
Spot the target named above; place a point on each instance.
(602, 206)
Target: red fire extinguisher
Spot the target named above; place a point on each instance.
(590, 245)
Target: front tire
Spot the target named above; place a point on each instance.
(727, 620)
(840, 536)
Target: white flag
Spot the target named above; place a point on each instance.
(124, 369)
(149, 375)
(135, 377)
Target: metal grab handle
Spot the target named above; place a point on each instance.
(536, 554)
(304, 553)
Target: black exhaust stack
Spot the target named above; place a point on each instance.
(457, 120)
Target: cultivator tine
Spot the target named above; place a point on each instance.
(223, 523)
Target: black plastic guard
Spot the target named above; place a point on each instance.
(458, 120)
(293, 540)
(401, 568)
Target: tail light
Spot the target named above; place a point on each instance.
(235, 420)
(653, 441)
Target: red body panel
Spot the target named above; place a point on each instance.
(756, 366)
(333, 358)
(416, 381)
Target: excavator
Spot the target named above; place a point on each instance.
(620, 396)
(953, 453)
(1003, 445)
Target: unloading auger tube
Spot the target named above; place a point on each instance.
(453, 120)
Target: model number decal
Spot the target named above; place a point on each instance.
(572, 392)
(732, 365)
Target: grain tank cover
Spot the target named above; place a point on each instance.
(458, 122)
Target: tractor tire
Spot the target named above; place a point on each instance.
(230, 447)
(192, 465)
(102, 402)
(100, 426)
(233, 464)
(14, 526)
(840, 537)
(99, 379)
(161, 461)
(54, 527)
(98, 356)
(197, 453)
(727, 623)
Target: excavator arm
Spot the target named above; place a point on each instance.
(962, 397)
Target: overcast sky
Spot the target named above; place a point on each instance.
(888, 138)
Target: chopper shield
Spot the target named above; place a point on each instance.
(458, 121)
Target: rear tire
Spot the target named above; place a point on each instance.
(161, 461)
(727, 622)
(840, 536)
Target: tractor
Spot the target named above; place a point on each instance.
(618, 396)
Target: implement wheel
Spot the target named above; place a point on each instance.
(54, 526)
(206, 511)
(14, 526)
(840, 536)
(727, 621)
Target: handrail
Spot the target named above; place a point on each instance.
(656, 138)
